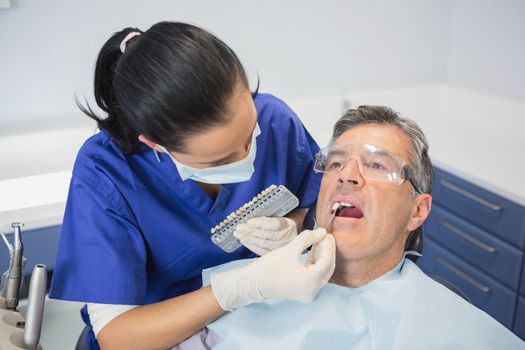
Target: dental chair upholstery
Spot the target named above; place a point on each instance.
(82, 343)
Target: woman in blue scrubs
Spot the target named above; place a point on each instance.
(182, 144)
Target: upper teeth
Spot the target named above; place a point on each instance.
(338, 205)
(346, 204)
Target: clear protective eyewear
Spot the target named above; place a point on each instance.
(374, 163)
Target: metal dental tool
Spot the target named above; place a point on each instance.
(35, 306)
(335, 210)
(15, 269)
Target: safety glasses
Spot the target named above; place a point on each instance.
(374, 163)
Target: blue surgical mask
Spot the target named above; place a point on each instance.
(239, 171)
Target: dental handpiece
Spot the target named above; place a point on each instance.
(15, 270)
(35, 306)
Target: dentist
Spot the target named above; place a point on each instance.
(182, 143)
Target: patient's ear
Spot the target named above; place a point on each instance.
(420, 210)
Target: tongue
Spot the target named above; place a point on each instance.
(351, 212)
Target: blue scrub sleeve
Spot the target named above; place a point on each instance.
(289, 150)
(308, 180)
(102, 255)
(305, 180)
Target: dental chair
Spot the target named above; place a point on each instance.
(414, 243)
(82, 343)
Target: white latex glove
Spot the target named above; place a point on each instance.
(279, 274)
(263, 234)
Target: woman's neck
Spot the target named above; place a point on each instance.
(211, 190)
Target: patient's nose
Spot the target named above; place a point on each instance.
(351, 173)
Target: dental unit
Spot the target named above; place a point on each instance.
(15, 332)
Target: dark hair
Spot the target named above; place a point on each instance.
(419, 159)
(172, 81)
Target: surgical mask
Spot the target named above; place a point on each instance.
(239, 171)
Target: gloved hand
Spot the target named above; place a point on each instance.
(263, 234)
(279, 274)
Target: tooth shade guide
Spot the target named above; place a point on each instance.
(272, 201)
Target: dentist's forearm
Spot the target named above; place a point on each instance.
(161, 325)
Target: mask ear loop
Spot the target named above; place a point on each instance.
(160, 149)
(157, 155)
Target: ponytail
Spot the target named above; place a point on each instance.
(115, 123)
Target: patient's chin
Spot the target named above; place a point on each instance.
(350, 241)
(350, 251)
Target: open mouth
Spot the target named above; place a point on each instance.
(347, 210)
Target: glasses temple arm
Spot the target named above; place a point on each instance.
(410, 178)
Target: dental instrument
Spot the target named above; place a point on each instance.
(15, 270)
(35, 306)
(336, 208)
(15, 333)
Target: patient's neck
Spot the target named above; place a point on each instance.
(356, 273)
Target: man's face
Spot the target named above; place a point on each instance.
(376, 230)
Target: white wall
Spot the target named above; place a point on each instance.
(487, 47)
(310, 53)
(298, 47)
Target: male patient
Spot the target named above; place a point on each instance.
(375, 192)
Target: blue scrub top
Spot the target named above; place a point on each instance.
(135, 233)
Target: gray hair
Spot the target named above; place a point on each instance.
(419, 162)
